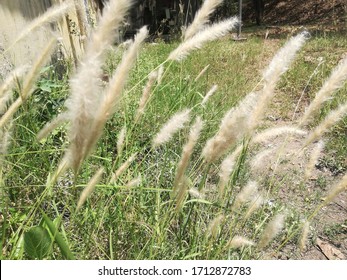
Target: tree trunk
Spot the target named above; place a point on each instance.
(259, 11)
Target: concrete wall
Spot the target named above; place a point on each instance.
(15, 15)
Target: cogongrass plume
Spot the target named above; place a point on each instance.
(113, 15)
(239, 241)
(276, 131)
(175, 123)
(112, 94)
(160, 74)
(121, 140)
(134, 182)
(209, 94)
(123, 167)
(152, 77)
(278, 66)
(202, 72)
(257, 161)
(334, 82)
(29, 82)
(187, 152)
(194, 192)
(5, 140)
(43, 133)
(181, 194)
(304, 91)
(339, 187)
(34, 73)
(246, 194)
(8, 84)
(315, 153)
(226, 169)
(233, 127)
(62, 167)
(330, 120)
(304, 235)
(201, 18)
(52, 14)
(254, 205)
(273, 228)
(284, 57)
(82, 20)
(214, 225)
(210, 33)
(85, 98)
(89, 188)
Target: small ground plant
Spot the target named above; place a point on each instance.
(161, 161)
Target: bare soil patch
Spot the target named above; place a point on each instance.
(298, 12)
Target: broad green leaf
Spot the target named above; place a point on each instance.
(37, 242)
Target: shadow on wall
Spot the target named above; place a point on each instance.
(15, 15)
(12, 22)
(29, 9)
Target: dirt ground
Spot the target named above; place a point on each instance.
(299, 12)
(328, 231)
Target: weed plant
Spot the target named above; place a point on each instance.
(180, 162)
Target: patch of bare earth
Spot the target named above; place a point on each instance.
(285, 160)
(298, 12)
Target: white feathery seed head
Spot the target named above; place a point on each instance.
(281, 61)
(210, 33)
(254, 204)
(202, 72)
(201, 17)
(59, 120)
(134, 182)
(121, 139)
(6, 95)
(91, 109)
(89, 188)
(29, 81)
(233, 127)
(113, 15)
(226, 169)
(187, 152)
(194, 192)
(278, 66)
(315, 154)
(152, 77)
(86, 104)
(330, 120)
(247, 193)
(209, 94)
(339, 187)
(160, 74)
(304, 235)
(257, 162)
(123, 167)
(335, 81)
(273, 228)
(276, 131)
(175, 123)
(239, 241)
(12, 78)
(214, 226)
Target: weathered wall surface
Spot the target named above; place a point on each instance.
(15, 15)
